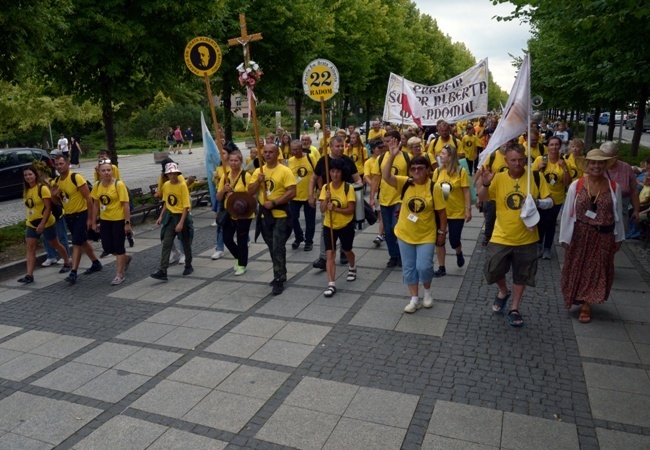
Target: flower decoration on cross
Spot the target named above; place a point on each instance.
(249, 74)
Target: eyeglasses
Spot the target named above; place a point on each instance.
(418, 168)
(104, 161)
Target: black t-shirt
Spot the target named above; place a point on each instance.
(189, 136)
(319, 170)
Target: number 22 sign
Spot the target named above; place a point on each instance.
(320, 80)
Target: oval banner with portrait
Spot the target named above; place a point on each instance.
(202, 56)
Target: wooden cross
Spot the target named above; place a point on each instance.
(245, 39)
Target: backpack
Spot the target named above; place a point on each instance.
(57, 208)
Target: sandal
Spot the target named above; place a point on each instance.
(330, 291)
(117, 280)
(585, 315)
(500, 303)
(515, 319)
(352, 274)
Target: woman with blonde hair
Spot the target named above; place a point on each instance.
(453, 180)
(576, 150)
(357, 151)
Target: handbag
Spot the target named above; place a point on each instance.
(222, 216)
(369, 213)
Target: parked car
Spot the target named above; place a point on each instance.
(631, 122)
(12, 162)
(604, 118)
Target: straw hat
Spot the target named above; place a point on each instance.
(240, 205)
(595, 155)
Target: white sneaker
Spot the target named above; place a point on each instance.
(218, 254)
(214, 224)
(174, 257)
(241, 270)
(60, 261)
(181, 260)
(49, 261)
(413, 306)
(428, 299)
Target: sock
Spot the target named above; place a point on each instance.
(428, 291)
(332, 283)
(351, 268)
(415, 298)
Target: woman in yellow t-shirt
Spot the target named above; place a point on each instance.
(453, 180)
(112, 207)
(285, 148)
(576, 150)
(236, 180)
(357, 151)
(417, 231)
(556, 172)
(377, 148)
(337, 207)
(38, 203)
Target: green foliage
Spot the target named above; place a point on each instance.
(13, 234)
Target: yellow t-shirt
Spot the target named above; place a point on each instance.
(469, 146)
(176, 197)
(509, 195)
(388, 195)
(644, 195)
(416, 223)
(324, 146)
(439, 143)
(499, 163)
(35, 206)
(341, 200)
(359, 155)
(554, 175)
(239, 184)
(302, 169)
(574, 169)
(276, 182)
(372, 134)
(116, 173)
(536, 152)
(71, 199)
(455, 202)
(367, 166)
(285, 152)
(111, 200)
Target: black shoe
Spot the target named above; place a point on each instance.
(344, 259)
(188, 270)
(441, 272)
(320, 263)
(296, 244)
(71, 278)
(392, 262)
(129, 237)
(104, 255)
(66, 268)
(160, 275)
(26, 279)
(460, 259)
(309, 247)
(94, 268)
(278, 287)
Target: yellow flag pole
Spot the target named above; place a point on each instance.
(327, 173)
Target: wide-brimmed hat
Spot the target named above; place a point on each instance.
(171, 168)
(595, 155)
(240, 205)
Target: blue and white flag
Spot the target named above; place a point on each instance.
(212, 158)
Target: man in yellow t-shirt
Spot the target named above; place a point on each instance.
(389, 198)
(376, 131)
(302, 166)
(275, 187)
(324, 144)
(470, 145)
(444, 138)
(70, 190)
(308, 148)
(538, 149)
(514, 241)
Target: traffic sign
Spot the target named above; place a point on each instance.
(202, 56)
(320, 80)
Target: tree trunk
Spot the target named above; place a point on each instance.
(344, 113)
(640, 118)
(297, 99)
(106, 102)
(367, 118)
(594, 130)
(611, 123)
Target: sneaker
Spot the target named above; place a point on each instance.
(343, 259)
(296, 244)
(188, 270)
(49, 261)
(95, 267)
(392, 262)
(217, 255)
(26, 279)
(309, 247)
(117, 280)
(428, 299)
(546, 254)
(104, 255)
(66, 268)
(129, 258)
(60, 261)
(160, 275)
(181, 260)
(631, 235)
(320, 263)
(441, 272)
(377, 241)
(71, 278)
(214, 224)
(413, 306)
(278, 288)
(241, 270)
(460, 259)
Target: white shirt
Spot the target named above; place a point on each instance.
(63, 145)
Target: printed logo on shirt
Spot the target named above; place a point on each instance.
(395, 170)
(270, 185)
(515, 200)
(416, 205)
(302, 172)
(551, 177)
(172, 200)
(336, 203)
(104, 199)
(355, 157)
(64, 196)
(29, 203)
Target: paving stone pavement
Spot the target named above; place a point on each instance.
(213, 361)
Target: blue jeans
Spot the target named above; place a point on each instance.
(417, 262)
(389, 220)
(62, 235)
(310, 221)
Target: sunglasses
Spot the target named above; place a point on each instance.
(104, 161)
(418, 168)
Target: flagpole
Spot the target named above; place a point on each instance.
(530, 150)
(402, 97)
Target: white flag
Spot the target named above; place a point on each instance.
(411, 104)
(516, 114)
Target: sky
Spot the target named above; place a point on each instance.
(472, 22)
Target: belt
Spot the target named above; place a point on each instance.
(601, 228)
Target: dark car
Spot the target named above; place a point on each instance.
(12, 162)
